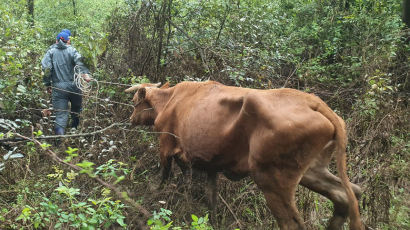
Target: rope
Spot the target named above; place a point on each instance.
(84, 85)
(81, 83)
(94, 97)
(114, 83)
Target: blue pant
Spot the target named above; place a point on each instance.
(60, 98)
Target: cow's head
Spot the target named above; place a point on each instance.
(144, 113)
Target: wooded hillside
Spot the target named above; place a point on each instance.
(353, 54)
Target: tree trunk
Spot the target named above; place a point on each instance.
(161, 20)
(30, 7)
(406, 12)
(74, 8)
(169, 29)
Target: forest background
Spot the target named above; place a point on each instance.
(354, 54)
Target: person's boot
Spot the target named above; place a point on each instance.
(75, 121)
(58, 131)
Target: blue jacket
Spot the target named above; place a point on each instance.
(58, 64)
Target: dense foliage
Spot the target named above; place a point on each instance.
(354, 54)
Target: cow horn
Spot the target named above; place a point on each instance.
(136, 87)
(149, 85)
(132, 88)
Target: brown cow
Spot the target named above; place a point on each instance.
(279, 137)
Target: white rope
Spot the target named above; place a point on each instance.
(86, 88)
(81, 83)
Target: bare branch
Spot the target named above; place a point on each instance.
(14, 139)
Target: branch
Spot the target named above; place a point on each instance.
(193, 41)
(61, 136)
(227, 10)
(121, 195)
(230, 210)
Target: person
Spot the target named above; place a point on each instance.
(58, 67)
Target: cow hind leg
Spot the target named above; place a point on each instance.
(280, 198)
(320, 180)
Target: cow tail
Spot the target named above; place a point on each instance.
(341, 143)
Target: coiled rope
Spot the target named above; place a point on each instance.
(86, 88)
(81, 82)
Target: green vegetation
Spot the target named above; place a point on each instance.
(353, 54)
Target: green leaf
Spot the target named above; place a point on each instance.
(150, 222)
(58, 225)
(85, 164)
(93, 221)
(82, 216)
(65, 217)
(45, 145)
(25, 213)
(70, 150)
(121, 222)
(38, 133)
(194, 218)
(21, 89)
(119, 179)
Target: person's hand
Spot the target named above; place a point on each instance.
(45, 112)
(49, 90)
(86, 77)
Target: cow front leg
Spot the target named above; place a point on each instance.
(166, 171)
(167, 151)
(186, 169)
(212, 191)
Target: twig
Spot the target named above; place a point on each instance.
(165, 133)
(287, 79)
(230, 210)
(293, 72)
(121, 195)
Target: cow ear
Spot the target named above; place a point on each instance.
(141, 93)
(165, 86)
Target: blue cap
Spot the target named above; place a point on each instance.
(63, 36)
(66, 31)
